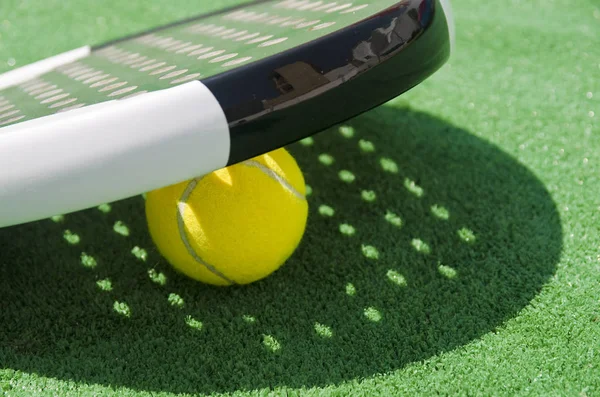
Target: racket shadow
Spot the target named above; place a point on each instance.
(421, 238)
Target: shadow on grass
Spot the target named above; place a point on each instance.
(454, 238)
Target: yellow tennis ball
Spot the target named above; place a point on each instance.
(236, 225)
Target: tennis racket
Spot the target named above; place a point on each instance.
(103, 123)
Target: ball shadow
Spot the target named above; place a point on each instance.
(445, 237)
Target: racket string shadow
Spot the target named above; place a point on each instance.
(454, 238)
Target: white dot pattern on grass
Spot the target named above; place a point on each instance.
(326, 210)
(175, 300)
(271, 344)
(121, 228)
(370, 251)
(412, 187)
(350, 289)
(389, 165)
(194, 323)
(57, 218)
(88, 261)
(122, 309)
(157, 277)
(447, 271)
(440, 212)
(396, 278)
(326, 159)
(104, 284)
(346, 176)
(466, 235)
(323, 330)
(71, 238)
(372, 314)
(249, 319)
(347, 229)
(368, 195)
(366, 146)
(420, 246)
(346, 131)
(309, 141)
(105, 208)
(139, 253)
(393, 219)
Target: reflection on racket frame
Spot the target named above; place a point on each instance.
(104, 123)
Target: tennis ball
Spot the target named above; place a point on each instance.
(235, 225)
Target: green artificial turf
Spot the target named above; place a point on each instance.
(452, 247)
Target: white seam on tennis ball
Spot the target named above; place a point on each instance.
(273, 175)
(181, 226)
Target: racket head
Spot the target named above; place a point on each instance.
(251, 54)
(262, 75)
